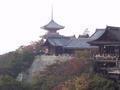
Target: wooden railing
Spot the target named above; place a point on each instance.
(105, 57)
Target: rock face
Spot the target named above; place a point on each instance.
(41, 62)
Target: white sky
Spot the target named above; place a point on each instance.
(20, 20)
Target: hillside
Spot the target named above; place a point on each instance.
(51, 72)
(13, 63)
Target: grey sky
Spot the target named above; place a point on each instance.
(20, 20)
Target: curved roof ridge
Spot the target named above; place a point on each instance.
(52, 25)
(98, 33)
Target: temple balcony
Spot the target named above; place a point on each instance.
(106, 58)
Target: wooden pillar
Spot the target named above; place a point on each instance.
(101, 50)
(110, 51)
(119, 52)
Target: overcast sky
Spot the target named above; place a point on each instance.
(20, 20)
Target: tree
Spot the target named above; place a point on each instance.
(9, 83)
(86, 32)
(101, 83)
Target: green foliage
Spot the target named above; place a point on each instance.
(6, 60)
(101, 83)
(9, 83)
(47, 82)
(88, 82)
(70, 75)
(82, 82)
(94, 82)
(13, 63)
(60, 72)
(83, 54)
(22, 62)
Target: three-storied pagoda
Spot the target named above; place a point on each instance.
(52, 27)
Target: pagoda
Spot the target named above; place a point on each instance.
(52, 27)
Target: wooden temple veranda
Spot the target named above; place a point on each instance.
(107, 59)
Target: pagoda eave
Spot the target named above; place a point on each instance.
(51, 29)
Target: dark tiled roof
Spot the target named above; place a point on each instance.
(114, 32)
(58, 41)
(70, 43)
(50, 35)
(98, 33)
(110, 35)
(52, 25)
(80, 43)
(83, 36)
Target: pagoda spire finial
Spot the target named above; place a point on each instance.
(52, 26)
(52, 12)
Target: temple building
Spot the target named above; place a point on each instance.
(59, 44)
(104, 46)
(107, 59)
(108, 41)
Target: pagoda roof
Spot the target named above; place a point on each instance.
(52, 25)
(50, 35)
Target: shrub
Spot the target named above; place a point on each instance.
(9, 83)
